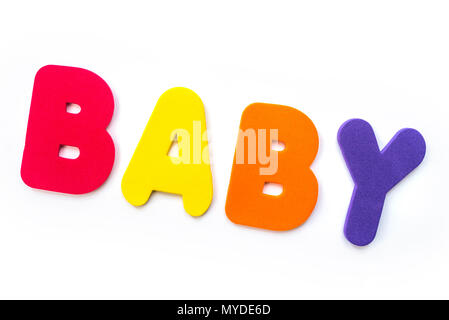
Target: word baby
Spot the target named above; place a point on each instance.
(179, 115)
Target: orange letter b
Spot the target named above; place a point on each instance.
(257, 164)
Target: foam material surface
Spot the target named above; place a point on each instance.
(179, 113)
(256, 165)
(374, 173)
(51, 127)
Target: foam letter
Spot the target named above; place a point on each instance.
(50, 127)
(374, 173)
(246, 203)
(179, 113)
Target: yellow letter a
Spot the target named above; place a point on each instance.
(179, 113)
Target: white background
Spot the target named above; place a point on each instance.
(384, 61)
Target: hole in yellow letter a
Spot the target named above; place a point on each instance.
(179, 113)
